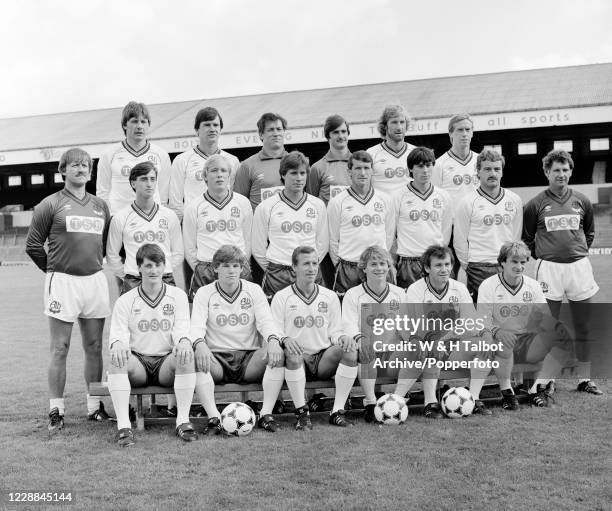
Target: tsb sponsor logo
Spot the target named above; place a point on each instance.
(233, 319)
(85, 224)
(154, 325)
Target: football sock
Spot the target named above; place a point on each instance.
(477, 380)
(504, 383)
(119, 388)
(205, 390)
(507, 392)
(344, 378)
(583, 371)
(296, 383)
(272, 384)
(171, 400)
(403, 385)
(93, 403)
(183, 390)
(368, 384)
(429, 390)
(58, 403)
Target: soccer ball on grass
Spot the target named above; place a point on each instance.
(391, 409)
(238, 419)
(457, 402)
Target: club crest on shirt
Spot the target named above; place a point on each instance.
(245, 303)
(322, 307)
(509, 206)
(453, 299)
(310, 212)
(163, 223)
(168, 309)
(394, 304)
(527, 296)
(235, 212)
(378, 206)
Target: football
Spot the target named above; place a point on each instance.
(238, 419)
(457, 402)
(391, 409)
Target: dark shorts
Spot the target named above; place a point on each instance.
(521, 347)
(476, 274)
(328, 271)
(130, 282)
(346, 277)
(204, 274)
(278, 277)
(151, 366)
(409, 270)
(234, 364)
(311, 364)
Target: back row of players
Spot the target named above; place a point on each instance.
(360, 213)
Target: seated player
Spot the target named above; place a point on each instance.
(285, 220)
(143, 221)
(444, 297)
(522, 322)
(149, 344)
(316, 348)
(226, 318)
(375, 263)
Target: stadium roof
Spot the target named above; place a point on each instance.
(514, 91)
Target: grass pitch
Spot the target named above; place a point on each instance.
(557, 458)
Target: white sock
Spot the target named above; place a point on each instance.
(403, 385)
(183, 390)
(171, 400)
(93, 403)
(344, 378)
(57, 402)
(429, 390)
(272, 384)
(205, 390)
(477, 380)
(296, 383)
(119, 388)
(367, 384)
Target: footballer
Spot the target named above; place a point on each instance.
(521, 321)
(115, 164)
(558, 228)
(217, 217)
(149, 344)
(315, 347)
(375, 264)
(286, 220)
(389, 157)
(143, 221)
(422, 216)
(358, 217)
(75, 224)
(227, 319)
(484, 220)
(441, 296)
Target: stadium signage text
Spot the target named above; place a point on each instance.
(432, 126)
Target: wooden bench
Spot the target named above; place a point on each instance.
(100, 388)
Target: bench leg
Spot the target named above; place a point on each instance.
(139, 413)
(244, 396)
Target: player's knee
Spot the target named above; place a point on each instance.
(504, 354)
(293, 361)
(93, 347)
(59, 350)
(185, 366)
(349, 358)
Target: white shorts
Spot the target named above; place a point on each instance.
(69, 297)
(573, 280)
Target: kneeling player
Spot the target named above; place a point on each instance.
(315, 347)
(442, 298)
(375, 263)
(226, 318)
(150, 345)
(523, 324)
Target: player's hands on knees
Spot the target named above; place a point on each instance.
(347, 343)
(120, 354)
(506, 338)
(275, 353)
(203, 357)
(183, 351)
(292, 346)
